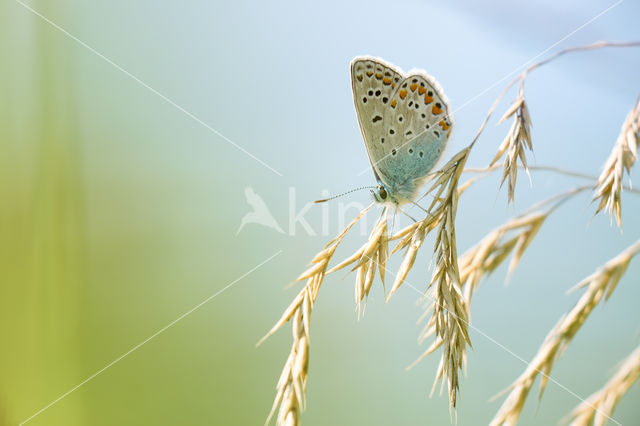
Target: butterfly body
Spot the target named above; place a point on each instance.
(405, 123)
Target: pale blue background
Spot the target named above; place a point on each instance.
(273, 77)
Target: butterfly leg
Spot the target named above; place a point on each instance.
(405, 213)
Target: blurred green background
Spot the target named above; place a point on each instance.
(119, 211)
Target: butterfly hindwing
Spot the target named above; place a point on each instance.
(417, 126)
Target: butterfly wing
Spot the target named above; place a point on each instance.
(416, 128)
(373, 82)
(405, 123)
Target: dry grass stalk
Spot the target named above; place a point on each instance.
(624, 154)
(449, 314)
(486, 171)
(519, 135)
(514, 144)
(601, 283)
(598, 408)
(495, 247)
(290, 390)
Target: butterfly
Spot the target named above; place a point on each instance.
(405, 123)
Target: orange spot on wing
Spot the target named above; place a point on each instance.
(393, 85)
(444, 125)
(428, 99)
(403, 94)
(393, 103)
(386, 81)
(369, 73)
(435, 110)
(379, 76)
(421, 90)
(413, 87)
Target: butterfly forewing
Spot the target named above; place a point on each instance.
(373, 83)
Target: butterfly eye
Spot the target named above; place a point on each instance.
(383, 193)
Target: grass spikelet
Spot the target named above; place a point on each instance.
(449, 314)
(373, 253)
(623, 156)
(513, 146)
(495, 247)
(598, 408)
(600, 283)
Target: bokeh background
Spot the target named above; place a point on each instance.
(119, 211)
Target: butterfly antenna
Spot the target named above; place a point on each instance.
(344, 193)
